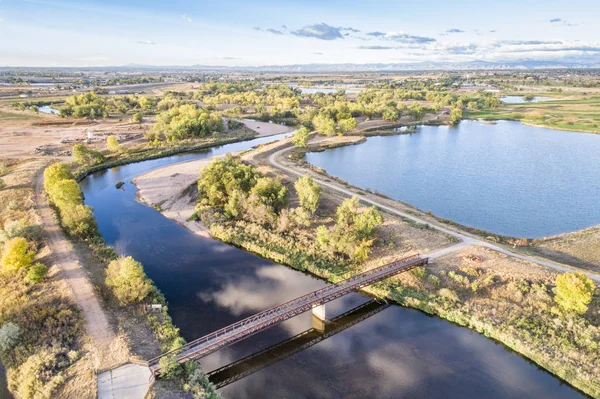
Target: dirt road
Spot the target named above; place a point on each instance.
(73, 274)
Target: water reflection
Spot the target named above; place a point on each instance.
(209, 285)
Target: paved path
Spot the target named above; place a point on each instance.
(466, 239)
(130, 381)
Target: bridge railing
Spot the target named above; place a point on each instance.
(290, 305)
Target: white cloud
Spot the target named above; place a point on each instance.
(148, 42)
(187, 18)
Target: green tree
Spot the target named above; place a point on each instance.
(54, 173)
(79, 220)
(138, 117)
(67, 193)
(224, 176)
(366, 221)
(308, 193)
(112, 143)
(271, 193)
(415, 111)
(573, 292)
(347, 124)
(16, 255)
(300, 138)
(391, 114)
(80, 153)
(324, 124)
(126, 278)
(455, 115)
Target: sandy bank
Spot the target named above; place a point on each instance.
(171, 189)
(265, 129)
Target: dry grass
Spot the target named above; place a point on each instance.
(580, 248)
(38, 307)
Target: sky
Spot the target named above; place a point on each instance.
(78, 33)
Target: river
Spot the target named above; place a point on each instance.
(4, 394)
(506, 177)
(397, 352)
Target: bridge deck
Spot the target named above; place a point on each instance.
(268, 318)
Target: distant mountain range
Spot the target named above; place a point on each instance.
(591, 62)
(586, 62)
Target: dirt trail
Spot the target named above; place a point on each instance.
(71, 271)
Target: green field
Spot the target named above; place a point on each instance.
(577, 114)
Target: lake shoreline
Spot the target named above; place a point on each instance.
(457, 317)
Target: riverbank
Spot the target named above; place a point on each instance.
(52, 354)
(503, 297)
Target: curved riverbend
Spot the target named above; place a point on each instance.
(395, 353)
(506, 177)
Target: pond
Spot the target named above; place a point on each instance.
(46, 109)
(506, 177)
(396, 352)
(521, 99)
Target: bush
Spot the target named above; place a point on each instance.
(128, 281)
(37, 273)
(9, 336)
(2, 184)
(84, 155)
(573, 292)
(16, 255)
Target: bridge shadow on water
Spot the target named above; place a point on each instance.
(248, 365)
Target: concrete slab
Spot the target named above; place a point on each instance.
(131, 381)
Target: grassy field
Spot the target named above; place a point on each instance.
(579, 114)
(18, 116)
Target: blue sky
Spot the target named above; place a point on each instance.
(177, 32)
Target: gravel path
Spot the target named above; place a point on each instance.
(466, 239)
(72, 272)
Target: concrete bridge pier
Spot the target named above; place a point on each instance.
(319, 317)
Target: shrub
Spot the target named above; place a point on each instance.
(16, 255)
(9, 336)
(84, 155)
(37, 273)
(128, 281)
(573, 292)
(419, 272)
(13, 205)
(2, 184)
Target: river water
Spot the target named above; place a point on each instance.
(4, 394)
(506, 178)
(395, 353)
